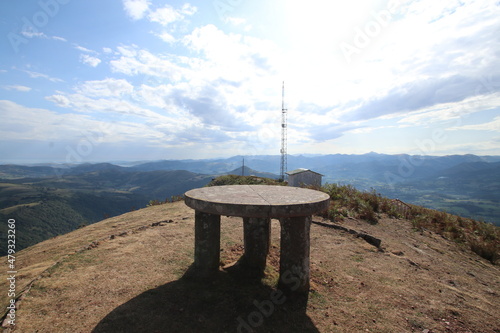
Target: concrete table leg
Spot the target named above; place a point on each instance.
(257, 233)
(257, 237)
(294, 257)
(207, 244)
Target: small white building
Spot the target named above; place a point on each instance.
(304, 177)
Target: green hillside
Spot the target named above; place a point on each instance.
(50, 206)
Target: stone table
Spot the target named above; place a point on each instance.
(257, 204)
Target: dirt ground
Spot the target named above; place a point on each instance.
(124, 274)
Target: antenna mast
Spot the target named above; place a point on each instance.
(283, 135)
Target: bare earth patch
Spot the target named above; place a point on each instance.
(124, 275)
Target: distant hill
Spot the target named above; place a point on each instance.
(246, 171)
(87, 167)
(472, 170)
(335, 167)
(49, 206)
(198, 166)
(469, 189)
(20, 171)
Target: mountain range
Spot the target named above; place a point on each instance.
(48, 200)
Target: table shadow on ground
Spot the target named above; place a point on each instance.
(226, 304)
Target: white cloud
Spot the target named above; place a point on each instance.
(61, 39)
(216, 90)
(165, 15)
(169, 14)
(473, 146)
(117, 99)
(87, 104)
(104, 96)
(24, 123)
(38, 34)
(59, 100)
(37, 75)
(136, 9)
(411, 61)
(89, 60)
(188, 9)
(156, 96)
(32, 34)
(364, 130)
(84, 49)
(449, 111)
(17, 88)
(236, 20)
(128, 51)
(134, 61)
(107, 50)
(493, 125)
(232, 57)
(166, 37)
(105, 88)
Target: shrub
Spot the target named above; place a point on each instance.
(418, 222)
(243, 180)
(82, 225)
(154, 203)
(346, 198)
(175, 198)
(489, 250)
(366, 212)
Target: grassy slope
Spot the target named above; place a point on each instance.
(128, 280)
(346, 201)
(41, 213)
(46, 207)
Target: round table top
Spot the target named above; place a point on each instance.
(263, 201)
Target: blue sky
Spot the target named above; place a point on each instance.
(87, 81)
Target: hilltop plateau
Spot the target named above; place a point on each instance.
(124, 274)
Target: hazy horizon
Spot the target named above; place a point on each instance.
(247, 157)
(136, 80)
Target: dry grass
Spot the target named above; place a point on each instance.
(243, 180)
(482, 238)
(131, 283)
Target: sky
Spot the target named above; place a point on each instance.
(123, 80)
